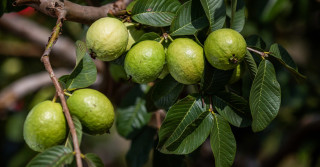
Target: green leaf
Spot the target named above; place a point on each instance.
(54, 157)
(185, 128)
(132, 114)
(238, 15)
(141, 146)
(83, 75)
(233, 108)
(255, 41)
(130, 6)
(78, 127)
(166, 92)
(223, 143)
(149, 36)
(250, 65)
(214, 79)
(265, 96)
(159, 13)
(81, 50)
(216, 13)
(93, 160)
(190, 19)
(280, 53)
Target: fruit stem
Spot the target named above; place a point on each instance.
(55, 98)
(210, 107)
(170, 38)
(67, 94)
(161, 40)
(262, 54)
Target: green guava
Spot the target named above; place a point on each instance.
(134, 34)
(45, 126)
(107, 38)
(185, 61)
(93, 109)
(225, 48)
(236, 74)
(144, 61)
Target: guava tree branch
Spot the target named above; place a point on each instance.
(45, 59)
(75, 12)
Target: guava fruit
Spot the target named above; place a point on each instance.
(45, 126)
(225, 48)
(93, 109)
(185, 60)
(236, 74)
(144, 61)
(107, 38)
(134, 34)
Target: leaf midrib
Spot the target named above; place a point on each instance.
(180, 123)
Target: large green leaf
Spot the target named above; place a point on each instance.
(233, 108)
(223, 143)
(85, 72)
(265, 96)
(166, 92)
(78, 127)
(216, 13)
(185, 128)
(157, 13)
(141, 146)
(83, 75)
(132, 114)
(190, 19)
(238, 18)
(93, 160)
(54, 157)
(284, 58)
(251, 65)
(214, 79)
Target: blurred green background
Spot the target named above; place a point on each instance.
(291, 140)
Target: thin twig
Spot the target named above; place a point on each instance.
(262, 54)
(46, 62)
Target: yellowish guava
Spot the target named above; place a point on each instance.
(236, 74)
(107, 38)
(144, 61)
(45, 126)
(225, 48)
(185, 61)
(93, 109)
(134, 34)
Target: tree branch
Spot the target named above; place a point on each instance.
(45, 59)
(75, 12)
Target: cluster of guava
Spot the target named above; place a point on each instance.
(109, 38)
(145, 61)
(45, 125)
